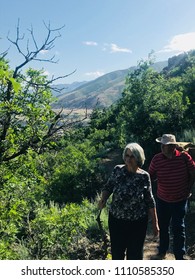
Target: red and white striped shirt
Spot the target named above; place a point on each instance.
(172, 175)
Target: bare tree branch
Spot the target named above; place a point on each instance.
(47, 45)
(3, 54)
(57, 122)
(49, 82)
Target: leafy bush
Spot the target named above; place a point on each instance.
(76, 174)
(70, 232)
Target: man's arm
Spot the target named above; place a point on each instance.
(191, 180)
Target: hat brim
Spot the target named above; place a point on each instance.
(159, 140)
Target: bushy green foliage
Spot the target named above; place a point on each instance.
(152, 104)
(56, 233)
(75, 175)
(189, 135)
(25, 111)
(54, 229)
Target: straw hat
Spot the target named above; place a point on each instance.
(167, 139)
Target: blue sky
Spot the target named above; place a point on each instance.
(100, 36)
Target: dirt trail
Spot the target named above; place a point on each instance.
(150, 248)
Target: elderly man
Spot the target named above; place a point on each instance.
(175, 174)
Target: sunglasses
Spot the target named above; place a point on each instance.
(129, 156)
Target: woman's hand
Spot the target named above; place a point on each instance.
(102, 203)
(155, 225)
(156, 229)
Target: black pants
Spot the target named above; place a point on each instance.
(172, 213)
(127, 237)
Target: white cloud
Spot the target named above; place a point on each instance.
(44, 51)
(46, 73)
(90, 43)
(181, 43)
(113, 48)
(95, 74)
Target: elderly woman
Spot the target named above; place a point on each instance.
(132, 201)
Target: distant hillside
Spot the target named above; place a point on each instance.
(178, 63)
(64, 88)
(102, 91)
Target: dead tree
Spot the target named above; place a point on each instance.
(22, 91)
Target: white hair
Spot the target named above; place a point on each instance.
(137, 152)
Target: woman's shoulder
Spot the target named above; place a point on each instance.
(119, 166)
(142, 171)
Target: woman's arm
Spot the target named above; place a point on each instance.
(104, 196)
(108, 188)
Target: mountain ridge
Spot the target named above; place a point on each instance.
(101, 92)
